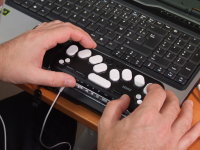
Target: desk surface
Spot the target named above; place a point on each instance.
(90, 119)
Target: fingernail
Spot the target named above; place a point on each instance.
(124, 97)
(69, 83)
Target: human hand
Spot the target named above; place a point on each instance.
(157, 124)
(21, 58)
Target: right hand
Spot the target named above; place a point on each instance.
(157, 124)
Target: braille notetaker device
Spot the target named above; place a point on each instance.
(100, 78)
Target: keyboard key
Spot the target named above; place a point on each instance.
(160, 52)
(195, 41)
(185, 54)
(174, 68)
(138, 48)
(102, 82)
(58, 10)
(169, 74)
(187, 70)
(111, 45)
(149, 64)
(175, 49)
(180, 61)
(152, 41)
(35, 7)
(170, 56)
(43, 12)
(27, 3)
(49, 6)
(60, 2)
(159, 69)
(180, 80)
(196, 58)
(164, 63)
(157, 30)
(190, 48)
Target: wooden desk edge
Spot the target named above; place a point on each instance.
(78, 112)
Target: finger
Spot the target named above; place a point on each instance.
(114, 109)
(48, 24)
(190, 137)
(82, 31)
(183, 123)
(155, 98)
(52, 78)
(171, 107)
(64, 33)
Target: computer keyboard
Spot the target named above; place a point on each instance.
(133, 37)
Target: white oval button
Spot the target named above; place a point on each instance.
(145, 88)
(61, 61)
(72, 50)
(84, 53)
(139, 81)
(114, 75)
(99, 80)
(96, 59)
(67, 60)
(100, 68)
(127, 75)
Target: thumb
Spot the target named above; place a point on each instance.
(52, 78)
(114, 109)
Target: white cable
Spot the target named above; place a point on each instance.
(4, 130)
(43, 126)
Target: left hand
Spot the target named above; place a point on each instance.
(21, 58)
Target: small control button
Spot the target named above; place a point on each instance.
(138, 96)
(72, 50)
(139, 81)
(84, 53)
(114, 75)
(126, 75)
(96, 59)
(67, 60)
(61, 61)
(145, 88)
(100, 68)
(139, 102)
(99, 80)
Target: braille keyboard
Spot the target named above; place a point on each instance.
(135, 47)
(98, 76)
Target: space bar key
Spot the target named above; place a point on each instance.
(139, 48)
(99, 80)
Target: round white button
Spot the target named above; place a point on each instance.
(96, 59)
(114, 75)
(138, 96)
(67, 60)
(139, 102)
(139, 80)
(72, 50)
(84, 53)
(126, 75)
(145, 88)
(61, 61)
(100, 67)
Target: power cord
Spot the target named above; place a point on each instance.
(4, 130)
(44, 123)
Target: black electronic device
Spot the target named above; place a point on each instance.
(99, 76)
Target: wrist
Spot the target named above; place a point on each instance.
(2, 60)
